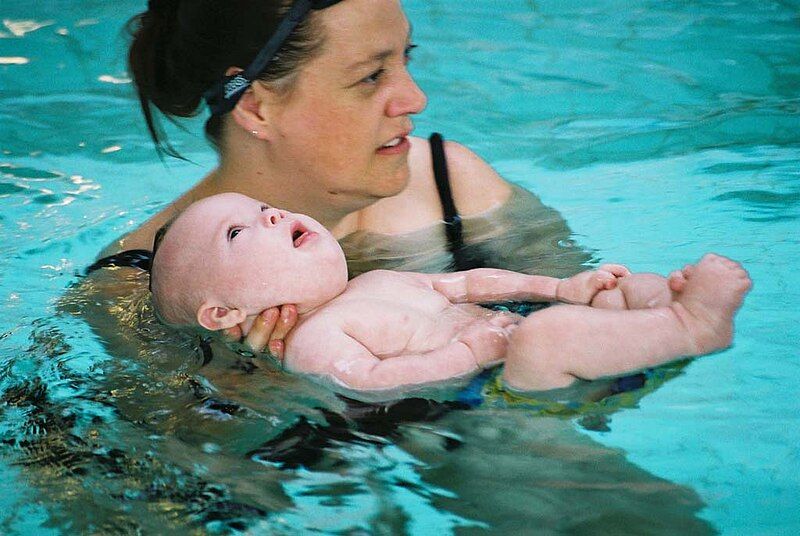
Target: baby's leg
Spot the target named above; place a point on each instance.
(554, 347)
(636, 291)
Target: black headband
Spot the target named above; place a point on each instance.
(223, 96)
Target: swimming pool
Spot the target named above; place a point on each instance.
(660, 130)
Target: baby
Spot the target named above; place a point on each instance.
(228, 257)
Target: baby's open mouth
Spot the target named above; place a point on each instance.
(299, 234)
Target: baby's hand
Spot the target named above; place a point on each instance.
(488, 340)
(581, 288)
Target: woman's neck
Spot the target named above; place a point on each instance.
(246, 170)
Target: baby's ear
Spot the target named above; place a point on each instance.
(215, 318)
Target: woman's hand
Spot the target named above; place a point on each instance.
(581, 288)
(267, 332)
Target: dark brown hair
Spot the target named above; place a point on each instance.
(181, 48)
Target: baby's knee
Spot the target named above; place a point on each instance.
(610, 299)
(645, 291)
(539, 331)
(534, 360)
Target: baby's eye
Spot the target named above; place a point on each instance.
(233, 232)
(264, 207)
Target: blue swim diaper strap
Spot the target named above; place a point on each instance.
(472, 394)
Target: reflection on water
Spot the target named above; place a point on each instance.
(765, 206)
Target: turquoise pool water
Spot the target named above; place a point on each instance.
(660, 130)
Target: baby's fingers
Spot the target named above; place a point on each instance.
(263, 327)
(605, 280)
(617, 269)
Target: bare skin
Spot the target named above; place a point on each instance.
(385, 330)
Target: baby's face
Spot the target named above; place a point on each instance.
(249, 256)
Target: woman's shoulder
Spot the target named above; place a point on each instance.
(139, 238)
(475, 185)
(142, 236)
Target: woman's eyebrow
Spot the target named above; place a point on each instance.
(375, 58)
(378, 56)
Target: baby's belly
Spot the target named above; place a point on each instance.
(447, 326)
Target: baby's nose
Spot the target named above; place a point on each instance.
(271, 216)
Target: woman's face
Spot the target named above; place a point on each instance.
(344, 124)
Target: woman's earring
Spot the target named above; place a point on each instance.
(254, 133)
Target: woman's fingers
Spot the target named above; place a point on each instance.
(275, 348)
(233, 334)
(262, 330)
(269, 329)
(285, 323)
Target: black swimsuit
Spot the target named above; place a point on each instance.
(452, 220)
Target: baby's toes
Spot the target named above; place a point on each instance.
(676, 281)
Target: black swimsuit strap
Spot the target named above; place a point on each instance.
(452, 220)
(131, 258)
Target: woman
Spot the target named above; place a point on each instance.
(311, 111)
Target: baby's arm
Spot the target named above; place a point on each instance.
(339, 356)
(484, 285)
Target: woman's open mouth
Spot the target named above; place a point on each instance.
(396, 145)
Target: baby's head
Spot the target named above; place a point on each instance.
(228, 257)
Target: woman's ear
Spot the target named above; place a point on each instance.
(215, 318)
(253, 111)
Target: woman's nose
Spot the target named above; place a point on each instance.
(408, 98)
(271, 216)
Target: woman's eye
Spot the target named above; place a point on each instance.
(233, 232)
(407, 52)
(374, 77)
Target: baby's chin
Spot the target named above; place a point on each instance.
(324, 296)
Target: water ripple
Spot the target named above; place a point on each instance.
(765, 205)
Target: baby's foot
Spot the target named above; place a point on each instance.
(708, 294)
